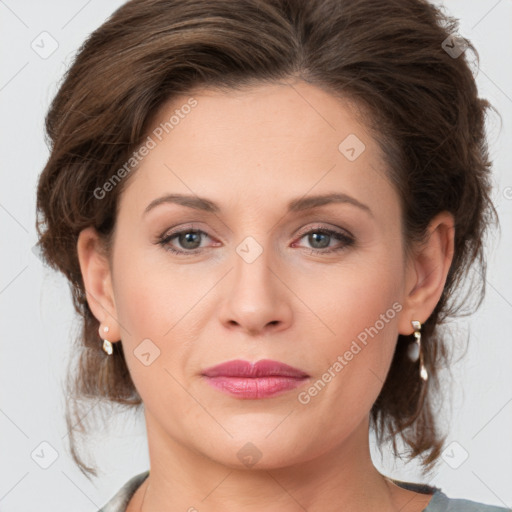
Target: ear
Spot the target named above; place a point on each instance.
(96, 274)
(427, 271)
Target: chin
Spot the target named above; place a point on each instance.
(262, 451)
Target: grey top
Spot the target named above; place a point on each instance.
(438, 503)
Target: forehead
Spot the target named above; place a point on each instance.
(267, 142)
(280, 113)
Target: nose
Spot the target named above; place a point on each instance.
(258, 300)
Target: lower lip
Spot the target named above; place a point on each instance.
(256, 387)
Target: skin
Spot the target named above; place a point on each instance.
(251, 152)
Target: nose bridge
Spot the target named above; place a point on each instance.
(255, 298)
(256, 258)
(253, 228)
(253, 264)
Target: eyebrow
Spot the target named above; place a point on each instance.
(296, 205)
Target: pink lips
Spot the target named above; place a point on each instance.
(247, 380)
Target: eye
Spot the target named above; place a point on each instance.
(320, 239)
(188, 239)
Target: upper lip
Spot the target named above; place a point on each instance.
(262, 368)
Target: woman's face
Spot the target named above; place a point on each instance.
(265, 272)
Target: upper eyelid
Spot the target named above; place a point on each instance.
(193, 227)
(324, 227)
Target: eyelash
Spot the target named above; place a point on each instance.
(165, 238)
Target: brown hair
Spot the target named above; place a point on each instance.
(386, 55)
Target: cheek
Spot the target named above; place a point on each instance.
(359, 306)
(148, 309)
(156, 306)
(151, 298)
(353, 298)
(362, 310)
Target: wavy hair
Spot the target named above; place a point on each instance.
(388, 56)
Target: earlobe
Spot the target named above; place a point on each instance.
(427, 272)
(96, 275)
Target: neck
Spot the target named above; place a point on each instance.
(182, 479)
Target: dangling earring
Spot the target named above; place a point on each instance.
(414, 350)
(107, 346)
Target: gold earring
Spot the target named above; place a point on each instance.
(414, 350)
(107, 345)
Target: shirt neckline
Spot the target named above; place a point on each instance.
(436, 493)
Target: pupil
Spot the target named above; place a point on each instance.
(189, 239)
(315, 237)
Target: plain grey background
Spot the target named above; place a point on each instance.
(38, 42)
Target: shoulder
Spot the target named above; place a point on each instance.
(119, 501)
(442, 503)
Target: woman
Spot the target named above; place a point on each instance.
(264, 213)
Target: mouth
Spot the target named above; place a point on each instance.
(262, 379)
